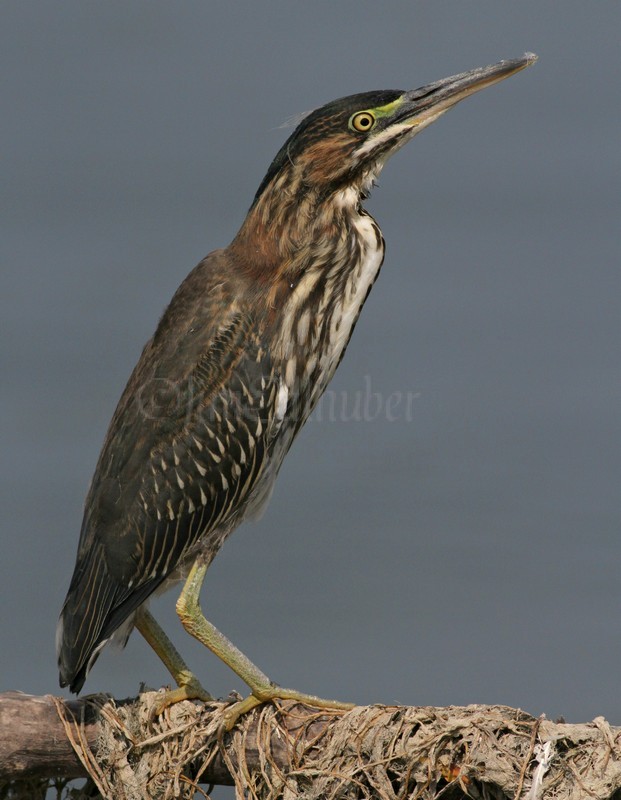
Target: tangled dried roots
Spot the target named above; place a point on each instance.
(379, 752)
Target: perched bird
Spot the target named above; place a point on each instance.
(240, 357)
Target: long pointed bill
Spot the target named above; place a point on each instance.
(415, 110)
(422, 106)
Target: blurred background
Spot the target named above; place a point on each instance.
(446, 529)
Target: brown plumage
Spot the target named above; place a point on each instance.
(241, 355)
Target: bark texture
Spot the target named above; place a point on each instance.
(292, 751)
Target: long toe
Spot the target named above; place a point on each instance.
(238, 709)
(190, 689)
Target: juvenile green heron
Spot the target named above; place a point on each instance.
(241, 355)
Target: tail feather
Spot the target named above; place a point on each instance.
(96, 606)
(90, 599)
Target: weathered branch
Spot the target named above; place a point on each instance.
(294, 751)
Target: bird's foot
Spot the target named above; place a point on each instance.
(189, 688)
(265, 694)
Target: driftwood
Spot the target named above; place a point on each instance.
(292, 751)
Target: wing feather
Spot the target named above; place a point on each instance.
(179, 461)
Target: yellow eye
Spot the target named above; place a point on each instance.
(362, 122)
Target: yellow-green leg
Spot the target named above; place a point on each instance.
(262, 688)
(188, 685)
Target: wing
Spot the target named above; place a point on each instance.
(186, 446)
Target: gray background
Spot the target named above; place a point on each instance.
(466, 552)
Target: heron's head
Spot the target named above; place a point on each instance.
(345, 143)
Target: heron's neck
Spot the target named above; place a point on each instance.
(294, 227)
